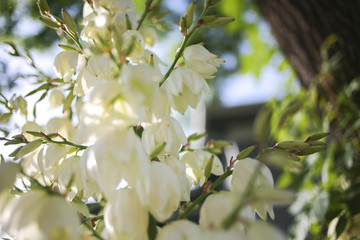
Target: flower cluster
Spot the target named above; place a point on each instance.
(119, 144)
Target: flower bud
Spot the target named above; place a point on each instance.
(56, 98)
(292, 145)
(189, 15)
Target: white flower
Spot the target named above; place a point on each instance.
(56, 98)
(37, 215)
(8, 171)
(116, 156)
(149, 35)
(159, 190)
(184, 87)
(65, 64)
(133, 40)
(241, 177)
(63, 126)
(219, 206)
(201, 60)
(69, 171)
(179, 168)
(180, 230)
(195, 163)
(168, 131)
(262, 230)
(31, 126)
(97, 80)
(125, 217)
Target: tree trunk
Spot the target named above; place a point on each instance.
(301, 28)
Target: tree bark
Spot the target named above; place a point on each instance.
(302, 26)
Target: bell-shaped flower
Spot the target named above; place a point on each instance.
(160, 191)
(116, 156)
(37, 215)
(8, 171)
(169, 132)
(140, 83)
(65, 64)
(198, 58)
(184, 87)
(63, 126)
(97, 80)
(125, 217)
(223, 234)
(242, 174)
(219, 206)
(179, 168)
(149, 35)
(31, 126)
(68, 176)
(56, 98)
(263, 230)
(180, 230)
(196, 162)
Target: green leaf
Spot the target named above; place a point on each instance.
(222, 143)
(28, 148)
(68, 101)
(5, 117)
(341, 225)
(214, 21)
(195, 136)
(42, 87)
(35, 134)
(43, 7)
(208, 167)
(69, 21)
(15, 152)
(49, 22)
(157, 150)
(244, 153)
(67, 47)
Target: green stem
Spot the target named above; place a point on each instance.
(203, 195)
(76, 40)
(143, 15)
(65, 142)
(182, 47)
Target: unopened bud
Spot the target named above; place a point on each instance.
(311, 149)
(244, 153)
(182, 26)
(189, 15)
(292, 145)
(208, 167)
(317, 136)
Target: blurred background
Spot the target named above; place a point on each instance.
(292, 70)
